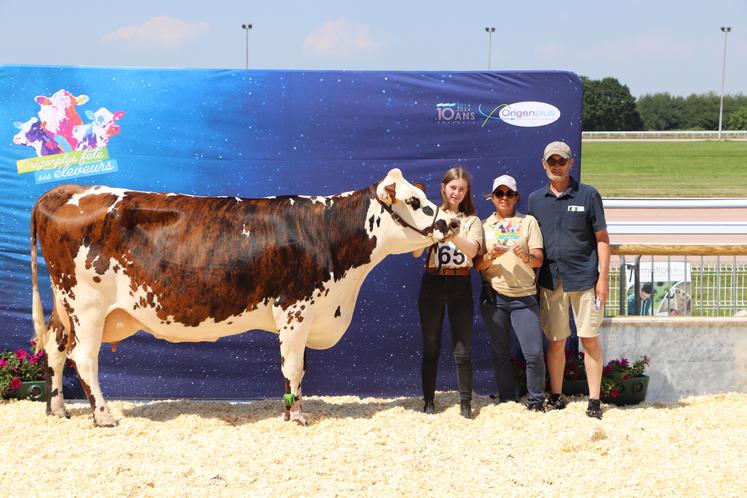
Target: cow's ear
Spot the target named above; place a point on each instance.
(420, 186)
(41, 99)
(391, 191)
(81, 99)
(90, 115)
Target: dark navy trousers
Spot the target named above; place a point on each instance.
(500, 313)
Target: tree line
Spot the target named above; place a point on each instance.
(609, 106)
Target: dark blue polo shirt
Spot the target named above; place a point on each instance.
(568, 223)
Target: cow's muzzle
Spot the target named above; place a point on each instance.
(446, 229)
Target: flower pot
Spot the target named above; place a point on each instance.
(629, 392)
(34, 390)
(579, 387)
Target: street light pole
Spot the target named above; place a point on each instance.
(490, 30)
(247, 27)
(725, 30)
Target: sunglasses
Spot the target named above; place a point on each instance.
(510, 194)
(551, 161)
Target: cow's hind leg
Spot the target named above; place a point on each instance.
(88, 332)
(294, 332)
(55, 351)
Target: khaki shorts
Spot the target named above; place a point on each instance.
(554, 313)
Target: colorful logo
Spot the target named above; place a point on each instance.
(507, 234)
(64, 145)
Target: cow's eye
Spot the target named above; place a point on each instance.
(414, 202)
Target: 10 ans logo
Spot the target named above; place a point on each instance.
(454, 112)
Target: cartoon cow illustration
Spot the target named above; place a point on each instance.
(97, 133)
(58, 114)
(33, 134)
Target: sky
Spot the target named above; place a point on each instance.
(650, 46)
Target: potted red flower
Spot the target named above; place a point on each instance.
(22, 374)
(623, 382)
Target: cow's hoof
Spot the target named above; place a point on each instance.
(59, 412)
(302, 422)
(299, 419)
(108, 424)
(104, 419)
(286, 416)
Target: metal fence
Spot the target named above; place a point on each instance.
(710, 281)
(664, 135)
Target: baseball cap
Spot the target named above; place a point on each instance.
(506, 180)
(559, 148)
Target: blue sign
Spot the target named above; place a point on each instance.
(264, 133)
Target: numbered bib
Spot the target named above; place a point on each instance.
(449, 256)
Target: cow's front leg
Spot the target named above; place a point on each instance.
(293, 335)
(55, 351)
(85, 354)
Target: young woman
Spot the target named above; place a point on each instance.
(446, 286)
(513, 249)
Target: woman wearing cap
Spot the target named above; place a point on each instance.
(513, 249)
(446, 285)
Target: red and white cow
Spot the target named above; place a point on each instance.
(59, 115)
(33, 134)
(188, 269)
(97, 133)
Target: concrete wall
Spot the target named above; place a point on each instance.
(688, 356)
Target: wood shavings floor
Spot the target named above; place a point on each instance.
(377, 447)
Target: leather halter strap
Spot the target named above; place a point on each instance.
(428, 231)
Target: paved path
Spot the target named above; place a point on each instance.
(702, 216)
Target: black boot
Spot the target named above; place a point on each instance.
(465, 409)
(536, 407)
(556, 401)
(429, 407)
(594, 409)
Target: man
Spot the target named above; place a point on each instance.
(645, 294)
(575, 271)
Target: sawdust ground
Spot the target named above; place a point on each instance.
(377, 447)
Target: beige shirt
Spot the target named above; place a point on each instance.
(508, 274)
(470, 228)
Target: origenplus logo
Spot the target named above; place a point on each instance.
(454, 112)
(525, 114)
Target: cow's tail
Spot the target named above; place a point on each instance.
(37, 311)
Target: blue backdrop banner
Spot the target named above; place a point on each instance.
(264, 133)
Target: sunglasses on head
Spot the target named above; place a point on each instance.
(551, 161)
(508, 194)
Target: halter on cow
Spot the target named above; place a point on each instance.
(189, 269)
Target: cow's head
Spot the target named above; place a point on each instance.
(61, 100)
(58, 111)
(421, 221)
(30, 131)
(105, 121)
(35, 135)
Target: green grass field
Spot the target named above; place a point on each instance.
(666, 169)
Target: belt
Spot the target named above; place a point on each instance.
(450, 272)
